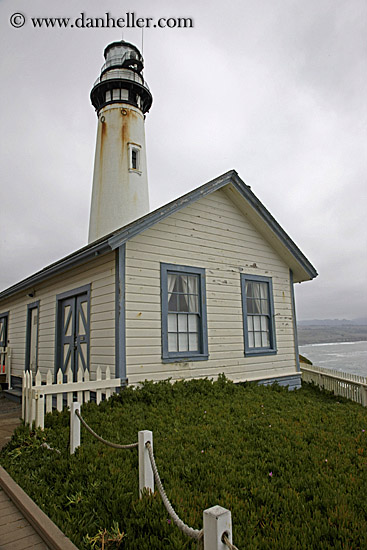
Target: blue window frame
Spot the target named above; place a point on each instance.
(184, 324)
(258, 315)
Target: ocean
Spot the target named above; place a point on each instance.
(348, 357)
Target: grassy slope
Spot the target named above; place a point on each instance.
(215, 443)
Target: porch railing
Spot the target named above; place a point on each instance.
(347, 385)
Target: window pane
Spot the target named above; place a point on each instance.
(182, 323)
(183, 302)
(264, 323)
(250, 305)
(250, 324)
(251, 342)
(172, 302)
(172, 341)
(193, 284)
(193, 342)
(172, 281)
(181, 283)
(265, 307)
(193, 323)
(183, 342)
(256, 319)
(264, 291)
(257, 339)
(193, 303)
(172, 322)
(257, 306)
(265, 340)
(249, 290)
(116, 94)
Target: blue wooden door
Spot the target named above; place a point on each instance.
(74, 334)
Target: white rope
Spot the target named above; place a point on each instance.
(109, 443)
(189, 531)
(229, 545)
(46, 446)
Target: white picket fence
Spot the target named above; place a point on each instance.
(5, 364)
(347, 385)
(38, 395)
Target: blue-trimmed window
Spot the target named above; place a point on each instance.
(184, 325)
(258, 315)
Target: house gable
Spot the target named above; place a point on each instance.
(213, 235)
(249, 205)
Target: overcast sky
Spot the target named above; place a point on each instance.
(275, 89)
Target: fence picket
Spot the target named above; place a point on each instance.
(69, 379)
(48, 397)
(79, 378)
(108, 376)
(59, 380)
(98, 377)
(86, 392)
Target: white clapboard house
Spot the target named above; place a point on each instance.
(198, 287)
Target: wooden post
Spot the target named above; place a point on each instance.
(74, 427)
(217, 521)
(146, 476)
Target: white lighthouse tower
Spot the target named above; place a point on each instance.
(121, 98)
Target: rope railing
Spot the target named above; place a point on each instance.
(217, 528)
(227, 542)
(109, 443)
(189, 531)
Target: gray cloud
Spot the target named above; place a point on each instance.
(275, 90)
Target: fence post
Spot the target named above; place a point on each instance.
(74, 427)
(217, 521)
(146, 476)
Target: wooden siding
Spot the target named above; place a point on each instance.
(210, 233)
(100, 274)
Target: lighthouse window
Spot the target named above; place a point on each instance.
(108, 95)
(134, 158)
(116, 94)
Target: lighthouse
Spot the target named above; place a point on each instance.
(121, 98)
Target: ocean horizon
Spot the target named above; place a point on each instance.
(350, 357)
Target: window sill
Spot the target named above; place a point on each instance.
(252, 352)
(184, 358)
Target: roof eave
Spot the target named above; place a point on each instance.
(76, 258)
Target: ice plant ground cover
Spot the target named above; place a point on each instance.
(291, 467)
